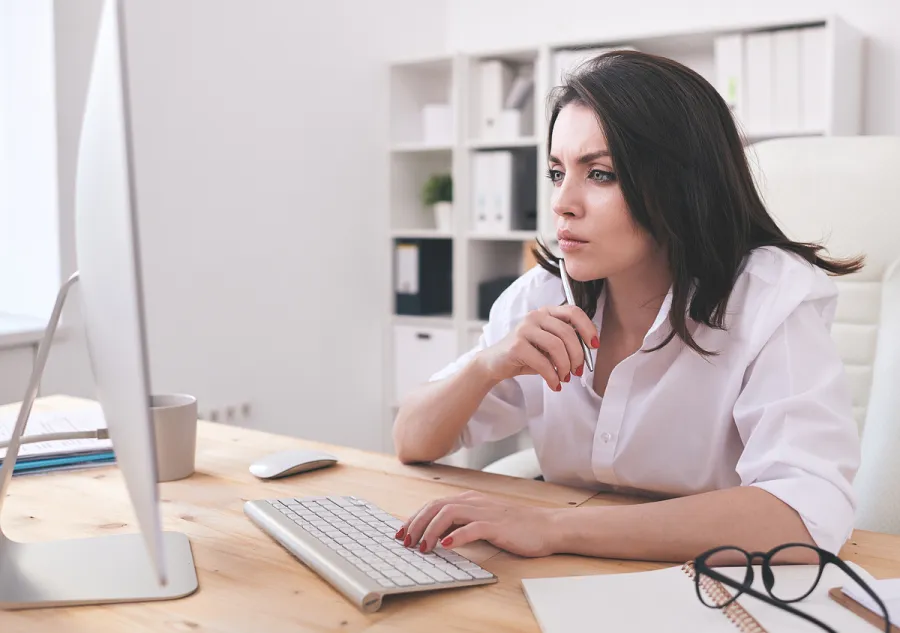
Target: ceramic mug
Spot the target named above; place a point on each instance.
(175, 428)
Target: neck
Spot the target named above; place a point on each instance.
(634, 297)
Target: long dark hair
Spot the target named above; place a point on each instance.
(682, 168)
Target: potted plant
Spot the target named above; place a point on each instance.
(437, 193)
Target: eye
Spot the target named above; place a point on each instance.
(555, 176)
(601, 176)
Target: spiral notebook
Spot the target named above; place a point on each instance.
(666, 600)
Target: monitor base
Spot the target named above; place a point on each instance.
(101, 570)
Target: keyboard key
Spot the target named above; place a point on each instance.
(421, 578)
(481, 573)
(457, 574)
(404, 582)
(384, 582)
(438, 575)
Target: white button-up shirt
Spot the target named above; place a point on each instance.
(772, 410)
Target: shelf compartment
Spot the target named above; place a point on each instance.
(409, 173)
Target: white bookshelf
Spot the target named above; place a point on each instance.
(481, 256)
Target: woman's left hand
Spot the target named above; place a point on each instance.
(473, 516)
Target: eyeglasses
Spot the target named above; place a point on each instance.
(779, 596)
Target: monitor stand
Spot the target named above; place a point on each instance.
(100, 570)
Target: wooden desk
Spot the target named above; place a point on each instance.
(250, 584)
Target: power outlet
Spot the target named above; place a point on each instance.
(231, 413)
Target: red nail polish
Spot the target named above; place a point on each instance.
(400, 533)
(423, 546)
(595, 342)
(566, 379)
(407, 541)
(447, 542)
(558, 387)
(579, 371)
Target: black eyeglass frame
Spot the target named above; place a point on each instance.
(701, 568)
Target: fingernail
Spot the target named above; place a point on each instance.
(400, 533)
(566, 379)
(579, 371)
(595, 342)
(447, 542)
(407, 541)
(558, 387)
(423, 546)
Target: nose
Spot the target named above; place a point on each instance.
(566, 200)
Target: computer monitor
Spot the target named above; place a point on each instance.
(152, 565)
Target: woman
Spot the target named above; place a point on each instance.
(717, 388)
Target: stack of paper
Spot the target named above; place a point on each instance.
(42, 457)
(887, 589)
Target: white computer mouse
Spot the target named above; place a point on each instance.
(290, 463)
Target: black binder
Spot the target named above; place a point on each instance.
(423, 276)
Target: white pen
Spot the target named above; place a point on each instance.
(567, 288)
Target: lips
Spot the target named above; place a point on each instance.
(569, 241)
(568, 236)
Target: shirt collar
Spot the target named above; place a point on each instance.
(654, 334)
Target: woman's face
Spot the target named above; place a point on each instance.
(596, 234)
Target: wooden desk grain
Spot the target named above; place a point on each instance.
(249, 583)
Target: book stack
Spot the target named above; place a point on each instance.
(506, 100)
(774, 81)
(504, 191)
(59, 455)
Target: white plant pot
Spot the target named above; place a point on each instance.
(443, 216)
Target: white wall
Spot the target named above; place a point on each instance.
(28, 196)
(260, 136)
(489, 24)
(260, 133)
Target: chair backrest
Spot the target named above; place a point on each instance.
(844, 192)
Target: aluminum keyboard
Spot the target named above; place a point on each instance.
(350, 543)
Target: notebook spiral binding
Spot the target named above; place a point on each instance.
(745, 622)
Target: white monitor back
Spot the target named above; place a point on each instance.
(106, 235)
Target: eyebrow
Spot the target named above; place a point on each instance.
(586, 158)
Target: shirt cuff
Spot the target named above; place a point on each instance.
(826, 511)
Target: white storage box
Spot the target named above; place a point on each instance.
(418, 353)
(437, 124)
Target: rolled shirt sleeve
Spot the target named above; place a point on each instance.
(794, 415)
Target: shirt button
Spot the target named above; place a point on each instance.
(606, 437)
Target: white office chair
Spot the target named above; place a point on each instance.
(844, 192)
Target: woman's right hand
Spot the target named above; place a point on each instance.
(543, 343)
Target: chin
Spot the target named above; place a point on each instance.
(582, 269)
